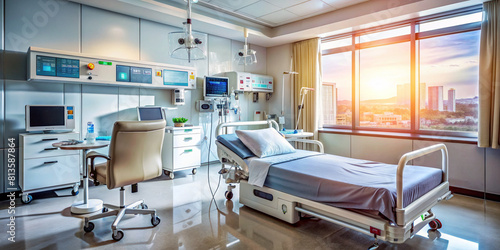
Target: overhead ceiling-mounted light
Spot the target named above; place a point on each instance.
(187, 45)
(245, 56)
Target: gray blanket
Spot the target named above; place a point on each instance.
(351, 183)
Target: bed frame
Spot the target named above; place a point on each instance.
(409, 219)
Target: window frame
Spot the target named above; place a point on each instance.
(413, 38)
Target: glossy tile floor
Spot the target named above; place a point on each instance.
(190, 221)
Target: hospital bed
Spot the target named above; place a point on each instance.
(401, 216)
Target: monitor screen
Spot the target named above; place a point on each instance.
(141, 75)
(216, 86)
(45, 116)
(150, 113)
(68, 67)
(175, 77)
(45, 66)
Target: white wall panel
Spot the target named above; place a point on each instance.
(109, 34)
(336, 144)
(277, 62)
(154, 41)
(128, 101)
(46, 24)
(219, 55)
(100, 106)
(260, 67)
(386, 150)
(19, 94)
(73, 96)
(493, 171)
(466, 163)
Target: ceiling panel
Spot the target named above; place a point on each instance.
(313, 7)
(231, 4)
(279, 17)
(286, 3)
(258, 9)
(338, 4)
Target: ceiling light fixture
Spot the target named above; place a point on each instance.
(245, 56)
(186, 44)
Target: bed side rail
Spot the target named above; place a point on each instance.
(415, 154)
(314, 142)
(270, 123)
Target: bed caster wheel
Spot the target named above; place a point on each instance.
(118, 236)
(229, 195)
(26, 199)
(155, 221)
(144, 206)
(104, 209)
(193, 171)
(374, 246)
(96, 183)
(435, 224)
(75, 193)
(89, 228)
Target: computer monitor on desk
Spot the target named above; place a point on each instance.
(150, 113)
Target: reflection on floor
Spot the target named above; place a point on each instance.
(189, 220)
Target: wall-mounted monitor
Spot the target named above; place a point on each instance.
(49, 117)
(175, 77)
(150, 113)
(215, 86)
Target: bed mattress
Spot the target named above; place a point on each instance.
(351, 183)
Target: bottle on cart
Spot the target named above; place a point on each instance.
(91, 136)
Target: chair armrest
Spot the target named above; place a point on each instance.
(92, 155)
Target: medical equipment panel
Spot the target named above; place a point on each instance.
(262, 83)
(70, 67)
(248, 82)
(206, 106)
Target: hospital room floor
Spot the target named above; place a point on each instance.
(189, 220)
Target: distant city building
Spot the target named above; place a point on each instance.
(329, 99)
(404, 93)
(435, 101)
(344, 119)
(423, 95)
(451, 100)
(387, 118)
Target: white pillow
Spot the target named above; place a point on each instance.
(265, 142)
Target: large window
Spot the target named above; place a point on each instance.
(404, 79)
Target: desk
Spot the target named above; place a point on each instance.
(86, 206)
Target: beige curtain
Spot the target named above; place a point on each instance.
(307, 62)
(489, 77)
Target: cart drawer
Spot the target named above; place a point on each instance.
(187, 130)
(50, 171)
(41, 146)
(187, 156)
(187, 140)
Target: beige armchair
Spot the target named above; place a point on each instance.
(134, 156)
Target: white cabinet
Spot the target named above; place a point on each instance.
(44, 167)
(181, 149)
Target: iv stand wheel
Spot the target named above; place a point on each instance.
(26, 199)
(194, 171)
(435, 224)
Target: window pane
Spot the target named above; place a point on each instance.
(337, 89)
(385, 86)
(336, 43)
(449, 22)
(449, 73)
(384, 34)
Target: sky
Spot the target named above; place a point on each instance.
(449, 61)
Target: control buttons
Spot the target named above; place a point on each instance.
(90, 66)
(70, 112)
(158, 73)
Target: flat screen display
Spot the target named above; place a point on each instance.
(122, 73)
(45, 116)
(45, 66)
(68, 67)
(150, 113)
(216, 86)
(175, 77)
(141, 75)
